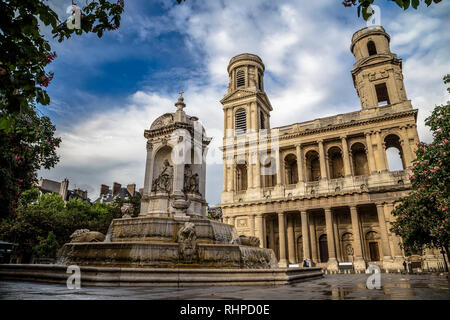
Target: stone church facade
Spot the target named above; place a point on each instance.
(322, 189)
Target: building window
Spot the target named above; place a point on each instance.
(240, 78)
(241, 177)
(371, 48)
(262, 120)
(359, 158)
(290, 165)
(241, 121)
(382, 94)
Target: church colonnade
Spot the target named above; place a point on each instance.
(332, 159)
(355, 233)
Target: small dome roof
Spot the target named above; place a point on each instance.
(162, 121)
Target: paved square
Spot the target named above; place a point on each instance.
(336, 287)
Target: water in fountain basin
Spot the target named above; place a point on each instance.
(223, 233)
(109, 233)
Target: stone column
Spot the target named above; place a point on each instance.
(203, 177)
(282, 237)
(251, 217)
(370, 155)
(225, 184)
(312, 232)
(384, 236)
(148, 169)
(278, 160)
(305, 235)
(260, 221)
(332, 261)
(271, 234)
(359, 262)
(323, 168)
(300, 165)
(380, 152)
(147, 178)
(406, 148)
(229, 173)
(233, 177)
(347, 170)
(291, 239)
(258, 170)
(397, 251)
(249, 175)
(336, 238)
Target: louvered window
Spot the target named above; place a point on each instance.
(240, 78)
(241, 121)
(371, 48)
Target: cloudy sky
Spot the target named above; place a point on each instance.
(107, 91)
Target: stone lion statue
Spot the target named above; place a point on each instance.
(247, 241)
(85, 235)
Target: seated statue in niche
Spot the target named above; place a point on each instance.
(164, 181)
(191, 181)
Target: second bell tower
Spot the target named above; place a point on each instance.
(377, 72)
(246, 106)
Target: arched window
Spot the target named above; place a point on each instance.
(241, 121)
(290, 165)
(262, 120)
(371, 48)
(268, 172)
(336, 163)
(359, 157)
(240, 78)
(241, 177)
(312, 166)
(394, 153)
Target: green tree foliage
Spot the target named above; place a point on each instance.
(363, 5)
(27, 147)
(27, 140)
(37, 217)
(47, 247)
(422, 218)
(25, 52)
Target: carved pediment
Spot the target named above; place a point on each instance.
(238, 94)
(162, 121)
(244, 93)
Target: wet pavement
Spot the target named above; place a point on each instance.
(336, 287)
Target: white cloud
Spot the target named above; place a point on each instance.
(305, 47)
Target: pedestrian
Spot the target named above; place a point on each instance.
(405, 265)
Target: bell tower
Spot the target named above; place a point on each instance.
(246, 106)
(377, 72)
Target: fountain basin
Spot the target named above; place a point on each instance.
(134, 277)
(165, 255)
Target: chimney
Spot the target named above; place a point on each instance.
(131, 189)
(116, 187)
(103, 189)
(63, 188)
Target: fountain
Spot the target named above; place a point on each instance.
(171, 242)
